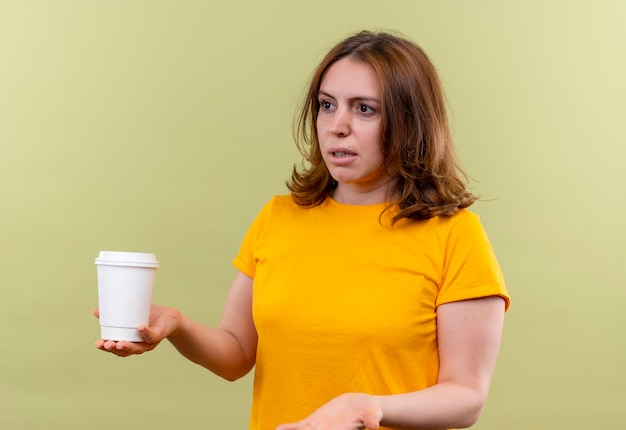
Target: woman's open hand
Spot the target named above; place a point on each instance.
(163, 322)
(351, 411)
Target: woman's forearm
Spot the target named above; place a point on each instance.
(442, 406)
(216, 349)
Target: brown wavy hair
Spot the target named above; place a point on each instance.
(417, 146)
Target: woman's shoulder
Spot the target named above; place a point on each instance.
(281, 202)
(460, 216)
(278, 204)
(463, 219)
(465, 215)
(284, 200)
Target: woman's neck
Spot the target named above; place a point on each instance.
(351, 194)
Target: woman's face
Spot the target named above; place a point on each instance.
(348, 126)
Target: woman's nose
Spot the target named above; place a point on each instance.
(340, 123)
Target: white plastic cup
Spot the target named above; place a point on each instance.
(125, 285)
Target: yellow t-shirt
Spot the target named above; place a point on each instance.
(343, 302)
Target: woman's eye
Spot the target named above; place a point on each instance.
(325, 105)
(363, 108)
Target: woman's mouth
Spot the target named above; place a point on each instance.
(342, 154)
(342, 157)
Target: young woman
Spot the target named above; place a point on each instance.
(369, 297)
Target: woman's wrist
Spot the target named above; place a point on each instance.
(178, 322)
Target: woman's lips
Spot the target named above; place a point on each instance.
(342, 156)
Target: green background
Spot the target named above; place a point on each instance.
(164, 126)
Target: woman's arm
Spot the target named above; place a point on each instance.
(228, 350)
(469, 335)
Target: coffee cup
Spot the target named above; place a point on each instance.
(125, 286)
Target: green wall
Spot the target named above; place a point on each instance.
(163, 126)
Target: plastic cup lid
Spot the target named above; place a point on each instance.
(118, 258)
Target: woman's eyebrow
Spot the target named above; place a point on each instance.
(324, 93)
(352, 99)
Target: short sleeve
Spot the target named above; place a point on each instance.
(470, 270)
(245, 261)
